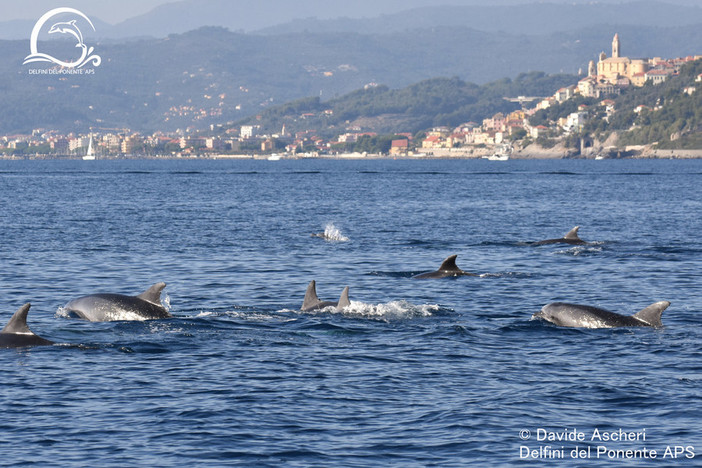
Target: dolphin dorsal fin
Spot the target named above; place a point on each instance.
(344, 299)
(311, 298)
(18, 322)
(153, 294)
(572, 234)
(449, 264)
(652, 314)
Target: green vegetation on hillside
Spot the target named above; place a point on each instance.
(672, 117)
(436, 102)
(669, 114)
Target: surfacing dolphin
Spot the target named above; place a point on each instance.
(17, 334)
(312, 302)
(582, 316)
(111, 307)
(570, 238)
(447, 269)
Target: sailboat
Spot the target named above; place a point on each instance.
(90, 155)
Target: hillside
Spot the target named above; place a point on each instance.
(526, 19)
(670, 116)
(666, 115)
(434, 102)
(213, 75)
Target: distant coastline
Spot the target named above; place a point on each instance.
(533, 151)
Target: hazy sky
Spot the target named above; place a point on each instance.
(109, 11)
(115, 11)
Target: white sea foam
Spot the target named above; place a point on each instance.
(62, 312)
(166, 301)
(395, 310)
(332, 233)
(580, 250)
(238, 315)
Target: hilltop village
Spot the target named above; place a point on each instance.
(521, 133)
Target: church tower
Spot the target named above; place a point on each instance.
(591, 71)
(615, 46)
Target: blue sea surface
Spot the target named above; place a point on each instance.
(445, 373)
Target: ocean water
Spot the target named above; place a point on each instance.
(447, 373)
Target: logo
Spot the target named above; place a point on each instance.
(70, 29)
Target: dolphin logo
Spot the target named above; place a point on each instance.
(65, 27)
(69, 27)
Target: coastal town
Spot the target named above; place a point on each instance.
(500, 136)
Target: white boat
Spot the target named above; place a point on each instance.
(90, 155)
(501, 153)
(274, 157)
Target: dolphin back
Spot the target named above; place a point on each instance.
(344, 299)
(153, 294)
(450, 264)
(573, 234)
(571, 237)
(17, 334)
(311, 300)
(651, 315)
(112, 307)
(447, 269)
(18, 322)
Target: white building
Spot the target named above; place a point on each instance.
(575, 122)
(249, 131)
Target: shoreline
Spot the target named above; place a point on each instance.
(533, 152)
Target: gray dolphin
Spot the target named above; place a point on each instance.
(574, 315)
(17, 334)
(447, 269)
(111, 307)
(570, 238)
(312, 302)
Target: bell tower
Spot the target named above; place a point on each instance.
(615, 46)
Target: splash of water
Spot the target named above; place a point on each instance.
(395, 310)
(62, 312)
(332, 233)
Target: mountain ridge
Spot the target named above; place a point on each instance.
(280, 17)
(213, 75)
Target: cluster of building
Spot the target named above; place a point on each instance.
(611, 74)
(605, 79)
(122, 142)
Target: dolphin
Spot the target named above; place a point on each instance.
(111, 307)
(574, 315)
(570, 238)
(312, 302)
(17, 334)
(446, 270)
